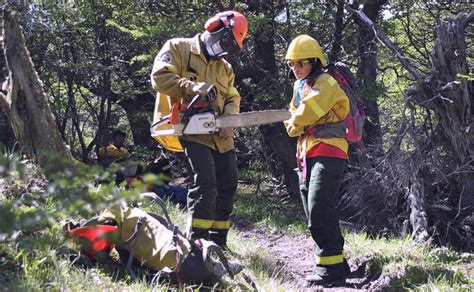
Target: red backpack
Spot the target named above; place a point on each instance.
(356, 117)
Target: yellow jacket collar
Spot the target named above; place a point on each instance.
(196, 47)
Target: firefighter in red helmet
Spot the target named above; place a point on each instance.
(183, 68)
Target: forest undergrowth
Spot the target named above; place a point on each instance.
(268, 236)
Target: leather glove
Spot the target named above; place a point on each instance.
(206, 90)
(226, 133)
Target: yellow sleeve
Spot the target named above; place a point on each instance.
(165, 74)
(232, 99)
(315, 104)
(292, 129)
(124, 151)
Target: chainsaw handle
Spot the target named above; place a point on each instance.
(186, 114)
(194, 101)
(161, 121)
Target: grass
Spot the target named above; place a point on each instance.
(266, 210)
(39, 258)
(411, 265)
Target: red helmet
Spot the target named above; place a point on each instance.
(94, 239)
(234, 19)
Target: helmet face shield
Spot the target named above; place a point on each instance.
(228, 43)
(221, 43)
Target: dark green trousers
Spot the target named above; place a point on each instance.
(211, 197)
(320, 195)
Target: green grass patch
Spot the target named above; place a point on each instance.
(266, 209)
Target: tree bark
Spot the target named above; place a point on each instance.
(450, 97)
(24, 100)
(137, 110)
(416, 198)
(337, 35)
(367, 73)
(453, 96)
(285, 153)
(7, 138)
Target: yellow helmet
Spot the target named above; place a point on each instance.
(305, 47)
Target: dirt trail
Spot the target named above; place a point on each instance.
(295, 259)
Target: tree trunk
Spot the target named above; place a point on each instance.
(451, 97)
(24, 101)
(416, 199)
(138, 114)
(337, 35)
(7, 138)
(285, 153)
(367, 73)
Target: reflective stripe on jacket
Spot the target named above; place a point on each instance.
(324, 103)
(176, 69)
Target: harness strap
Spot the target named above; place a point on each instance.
(302, 161)
(179, 254)
(131, 239)
(162, 204)
(329, 130)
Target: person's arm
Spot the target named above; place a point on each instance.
(165, 74)
(124, 152)
(314, 106)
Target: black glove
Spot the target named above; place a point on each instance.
(206, 90)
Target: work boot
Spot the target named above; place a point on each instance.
(324, 274)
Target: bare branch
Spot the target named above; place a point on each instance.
(386, 42)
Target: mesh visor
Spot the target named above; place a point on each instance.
(222, 42)
(228, 42)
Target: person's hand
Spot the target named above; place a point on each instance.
(226, 133)
(206, 90)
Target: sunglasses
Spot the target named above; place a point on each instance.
(298, 64)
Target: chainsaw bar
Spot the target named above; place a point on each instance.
(252, 118)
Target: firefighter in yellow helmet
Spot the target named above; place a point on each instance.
(318, 101)
(188, 66)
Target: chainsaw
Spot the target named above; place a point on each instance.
(197, 117)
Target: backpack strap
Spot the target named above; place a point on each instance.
(169, 224)
(162, 204)
(131, 240)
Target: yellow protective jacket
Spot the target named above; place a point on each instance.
(154, 245)
(111, 152)
(179, 65)
(324, 103)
